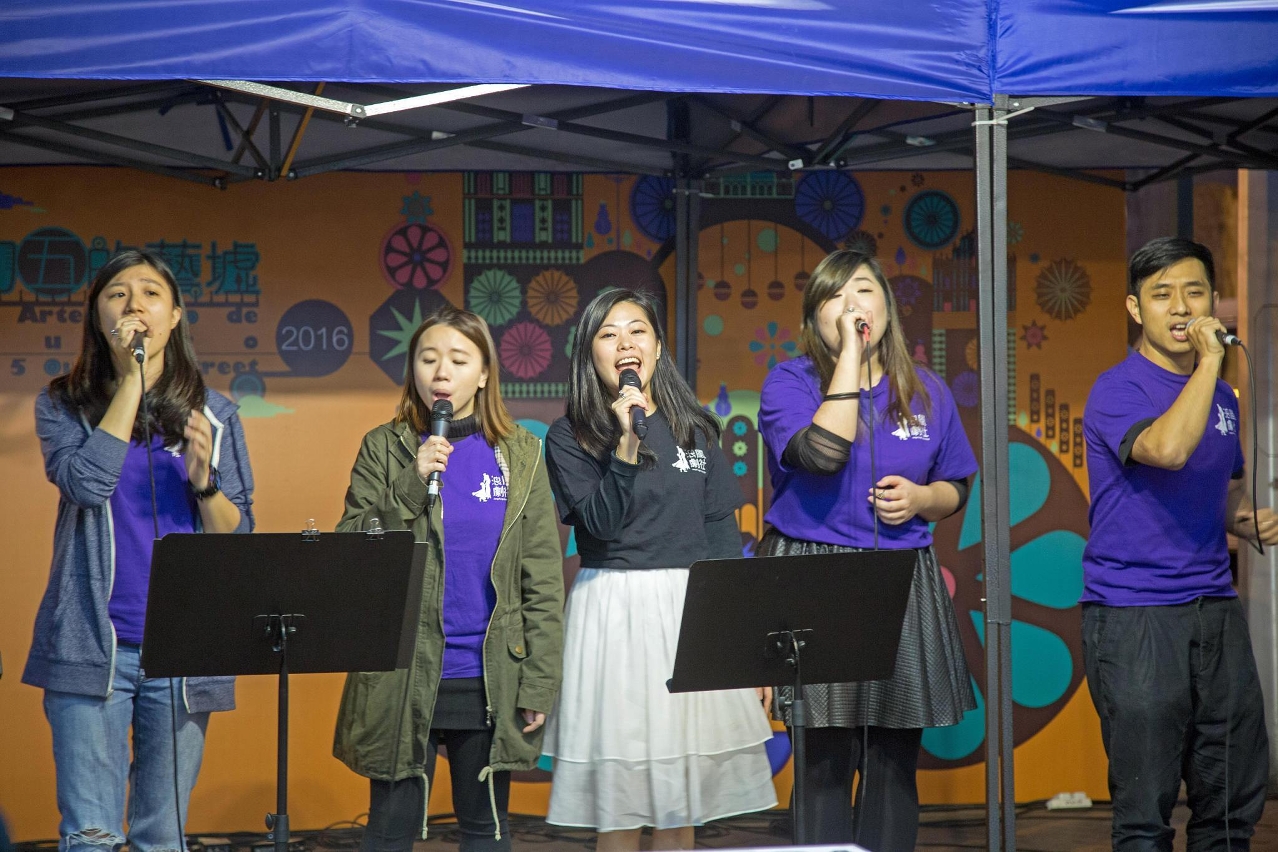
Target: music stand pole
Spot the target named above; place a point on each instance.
(798, 737)
(280, 626)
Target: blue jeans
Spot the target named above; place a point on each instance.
(91, 758)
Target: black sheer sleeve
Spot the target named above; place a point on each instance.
(817, 450)
(964, 488)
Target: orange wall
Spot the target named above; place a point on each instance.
(321, 238)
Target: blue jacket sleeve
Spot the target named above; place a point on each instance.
(84, 465)
(236, 474)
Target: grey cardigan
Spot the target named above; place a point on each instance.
(73, 649)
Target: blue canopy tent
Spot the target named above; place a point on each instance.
(955, 50)
(922, 52)
(991, 61)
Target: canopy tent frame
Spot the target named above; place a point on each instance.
(63, 125)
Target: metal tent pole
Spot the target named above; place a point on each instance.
(991, 232)
(687, 209)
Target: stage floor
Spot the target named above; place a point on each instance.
(942, 830)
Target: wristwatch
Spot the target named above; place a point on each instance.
(214, 486)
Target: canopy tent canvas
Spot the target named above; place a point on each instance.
(934, 51)
(954, 50)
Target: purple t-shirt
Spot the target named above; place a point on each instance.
(835, 509)
(473, 499)
(134, 530)
(1158, 536)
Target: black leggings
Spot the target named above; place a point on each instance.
(396, 811)
(888, 817)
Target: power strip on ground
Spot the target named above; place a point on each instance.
(1062, 801)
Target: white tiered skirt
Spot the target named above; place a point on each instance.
(627, 752)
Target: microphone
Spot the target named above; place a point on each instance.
(441, 414)
(638, 417)
(863, 327)
(1227, 339)
(138, 345)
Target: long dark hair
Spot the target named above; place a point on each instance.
(827, 280)
(88, 388)
(494, 417)
(589, 412)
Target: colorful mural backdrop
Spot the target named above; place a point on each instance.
(302, 299)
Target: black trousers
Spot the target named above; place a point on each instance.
(396, 811)
(887, 817)
(1178, 696)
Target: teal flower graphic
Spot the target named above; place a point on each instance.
(416, 207)
(494, 295)
(1015, 232)
(931, 219)
(1048, 515)
(772, 344)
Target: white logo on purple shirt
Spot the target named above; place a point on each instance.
(492, 488)
(913, 431)
(694, 460)
(1228, 422)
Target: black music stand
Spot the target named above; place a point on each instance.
(820, 618)
(281, 603)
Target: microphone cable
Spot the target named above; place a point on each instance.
(409, 673)
(150, 461)
(873, 422)
(1258, 545)
(441, 413)
(863, 765)
(390, 803)
(155, 528)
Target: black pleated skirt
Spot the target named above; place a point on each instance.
(931, 686)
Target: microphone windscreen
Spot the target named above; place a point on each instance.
(441, 414)
(638, 417)
(441, 410)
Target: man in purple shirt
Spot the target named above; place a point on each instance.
(1165, 641)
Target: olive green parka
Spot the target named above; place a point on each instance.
(523, 647)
